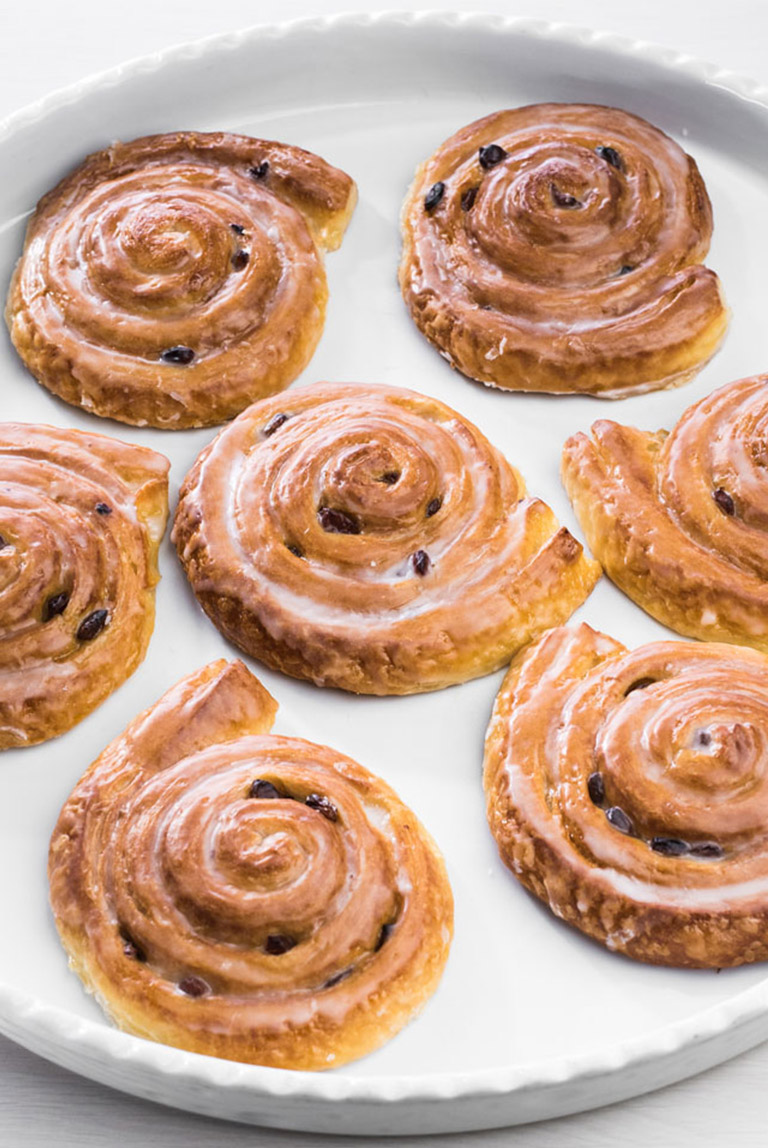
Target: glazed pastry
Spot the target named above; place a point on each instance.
(680, 521)
(81, 519)
(558, 248)
(171, 281)
(371, 538)
(247, 896)
(626, 789)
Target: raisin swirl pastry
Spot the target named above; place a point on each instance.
(627, 790)
(680, 521)
(558, 247)
(81, 519)
(372, 539)
(171, 281)
(252, 897)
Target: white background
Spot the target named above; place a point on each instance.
(50, 44)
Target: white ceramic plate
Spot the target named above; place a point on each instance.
(531, 1019)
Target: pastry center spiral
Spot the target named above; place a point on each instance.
(557, 248)
(233, 870)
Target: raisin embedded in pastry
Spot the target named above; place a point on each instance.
(558, 247)
(680, 520)
(171, 281)
(81, 519)
(372, 539)
(627, 790)
(252, 897)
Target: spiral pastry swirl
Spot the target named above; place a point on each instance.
(171, 281)
(557, 248)
(679, 521)
(252, 897)
(372, 539)
(627, 790)
(81, 519)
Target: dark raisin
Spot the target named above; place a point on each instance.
(102, 508)
(3, 543)
(295, 550)
(563, 198)
(390, 477)
(669, 846)
(240, 259)
(260, 171)
(434, 195)
(275, 423)
(92, 625)
(468, 199)
(55, 605)
(705, 849)
(567, 546)
(337, 521)
(702, 739)
(264, 790)
(385, 933)
(491, 155)
(596, 788)
(334, 980)
(237, 228)
(611, 156)
(724, 501)
(434, 506)
(640, 684)
(194, 986)
(277, 943)
(625, 269)
(130, 948)
(322, 805)
(179, 356)
(619, 819)
(421, 562)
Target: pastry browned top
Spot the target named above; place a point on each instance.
(172, 280)
(627, 789)
(557, 247)
(254, 897)
(372, 538)
(680, 519)
(81, 518)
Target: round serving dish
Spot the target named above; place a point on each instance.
(531, 1020)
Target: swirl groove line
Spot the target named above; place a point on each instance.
(371, 538)
(171, 281)
(558, 248)
(679, 520)
(249, 896)
(81, 519)
(627, 790)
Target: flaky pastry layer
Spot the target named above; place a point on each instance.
(247, 896)
(626, 789)
(679, 520)
(372, 539)
(81, 519)
(172, 280)
(558, 247)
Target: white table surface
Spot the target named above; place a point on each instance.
(48, 44)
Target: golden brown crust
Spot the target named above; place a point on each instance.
(299, 926)
(448, 570)
(206, 242)
(549, 264)
(678, 520)
(662, 854)
(81, 519)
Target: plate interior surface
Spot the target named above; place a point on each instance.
(520, 991)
